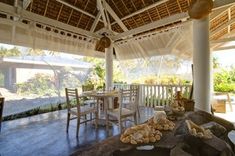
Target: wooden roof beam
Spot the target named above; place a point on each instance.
(224, 48)
(101, 9)
(77, 9)
(156, 24)
(223, 40)
(222, 3)
(218, 12)
(228, 35)
(232, 21)
(44, 20)
(95, 22)
(26, 3)
(144, 9)
(114, 15)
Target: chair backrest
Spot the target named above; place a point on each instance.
(128, 99)
(72, 98)
(88, 87)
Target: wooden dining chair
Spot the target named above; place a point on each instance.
(88, 100)
(1, 111)
(125, 111)
(80, 110)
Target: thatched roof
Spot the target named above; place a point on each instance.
(125, 17)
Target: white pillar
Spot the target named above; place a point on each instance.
(109, 67)
(202, 64)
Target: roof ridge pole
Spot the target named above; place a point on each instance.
(202, 64)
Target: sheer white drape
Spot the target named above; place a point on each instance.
(177, 41)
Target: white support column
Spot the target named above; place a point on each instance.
(202, 64)
(109, 67)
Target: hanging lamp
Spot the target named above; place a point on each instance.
(200, 8)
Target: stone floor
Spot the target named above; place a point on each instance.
(46, 135)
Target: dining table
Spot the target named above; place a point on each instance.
(108, 98)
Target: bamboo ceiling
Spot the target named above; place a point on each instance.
(56, 10)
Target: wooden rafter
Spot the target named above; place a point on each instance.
(75, 8)
(226, 25)
(222, 3)
(135, 9)
(44, 20)
(179, 6)
(71, 12)
(144, 9)
(26, 3)
(45, 11)
(58, 15)
(147, 12)
(217, 45)
(223, 40)
(114, 15)
(95, 22)
(224, 48)
(218, 12)
(159, 23)
(31, 6)
(167, 9)
(101, 8)
(80, 18)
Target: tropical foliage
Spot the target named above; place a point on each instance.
(224, 80)
(9, 52)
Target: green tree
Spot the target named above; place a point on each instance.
(9, 52)
(216, 63)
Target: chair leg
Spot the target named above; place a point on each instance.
(85, 116)
(68, 120)
(120, 125)
(135, 118)
(96, 120)
(107, 122)
(138, 111)
(78, 126)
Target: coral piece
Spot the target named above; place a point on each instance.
(198, 131)
(140, 134)
(161, 124)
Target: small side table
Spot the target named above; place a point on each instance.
(231, 136)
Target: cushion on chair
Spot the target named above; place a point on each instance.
(125, 112)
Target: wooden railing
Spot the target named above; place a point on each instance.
(157, 95)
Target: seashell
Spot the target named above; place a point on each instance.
(166, 127)
(133, 142)
(146, 140)
(128, 131)
(140, 141)
(137, 136)
(157, 137)
(171, 128)
(200, 134)
(126, 140)
(152, 139)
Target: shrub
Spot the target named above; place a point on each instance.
(40, 84)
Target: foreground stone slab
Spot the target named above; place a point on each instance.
(173, 143)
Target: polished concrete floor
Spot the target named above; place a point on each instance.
(46, 135)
